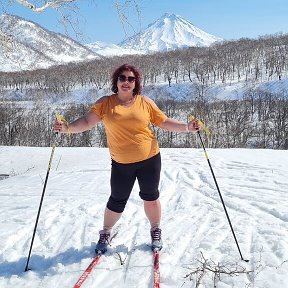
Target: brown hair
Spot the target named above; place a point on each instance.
(117, 73)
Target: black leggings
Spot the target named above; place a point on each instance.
(123, 177)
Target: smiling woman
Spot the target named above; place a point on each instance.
(133, 147)
(125, 77)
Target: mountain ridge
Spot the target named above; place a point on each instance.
(169, 32)
(111, 49)
(37, 47)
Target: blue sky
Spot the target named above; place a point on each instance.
(228, 19)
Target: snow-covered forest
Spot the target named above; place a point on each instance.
(239, 88)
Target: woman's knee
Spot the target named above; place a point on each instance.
(116, 205)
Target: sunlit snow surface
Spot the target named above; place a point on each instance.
(253, 184)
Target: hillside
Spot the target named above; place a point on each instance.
(30, 46)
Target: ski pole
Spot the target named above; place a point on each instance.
(41, 201)
(217, 186)
(60, 118)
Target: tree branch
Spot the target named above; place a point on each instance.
(216, 270)
(54, 4)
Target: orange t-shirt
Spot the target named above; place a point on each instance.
(129, 136)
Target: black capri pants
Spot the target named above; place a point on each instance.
(123, 177)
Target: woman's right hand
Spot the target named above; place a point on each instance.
(60, 127)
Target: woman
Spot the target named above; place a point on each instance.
(133, 148)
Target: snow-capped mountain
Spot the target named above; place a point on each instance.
(29, 46)
(168, 33)
(109, 49)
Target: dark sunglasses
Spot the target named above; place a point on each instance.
(123, 78)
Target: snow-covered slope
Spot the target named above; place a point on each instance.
(167, 33)
(30, 46)
(253, 183)
(109, 49)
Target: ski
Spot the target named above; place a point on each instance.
(156, 268)
(96, 260)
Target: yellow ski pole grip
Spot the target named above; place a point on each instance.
(62, 119)
(203, 126)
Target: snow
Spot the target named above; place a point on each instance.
(253, 184)
(168, 33)
(37, 47)
(109, 50)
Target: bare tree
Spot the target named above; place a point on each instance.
(69, 15)
(41, 6)
(122, 7)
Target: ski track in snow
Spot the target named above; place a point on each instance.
(253, 184)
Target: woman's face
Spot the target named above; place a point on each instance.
(126, 82)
